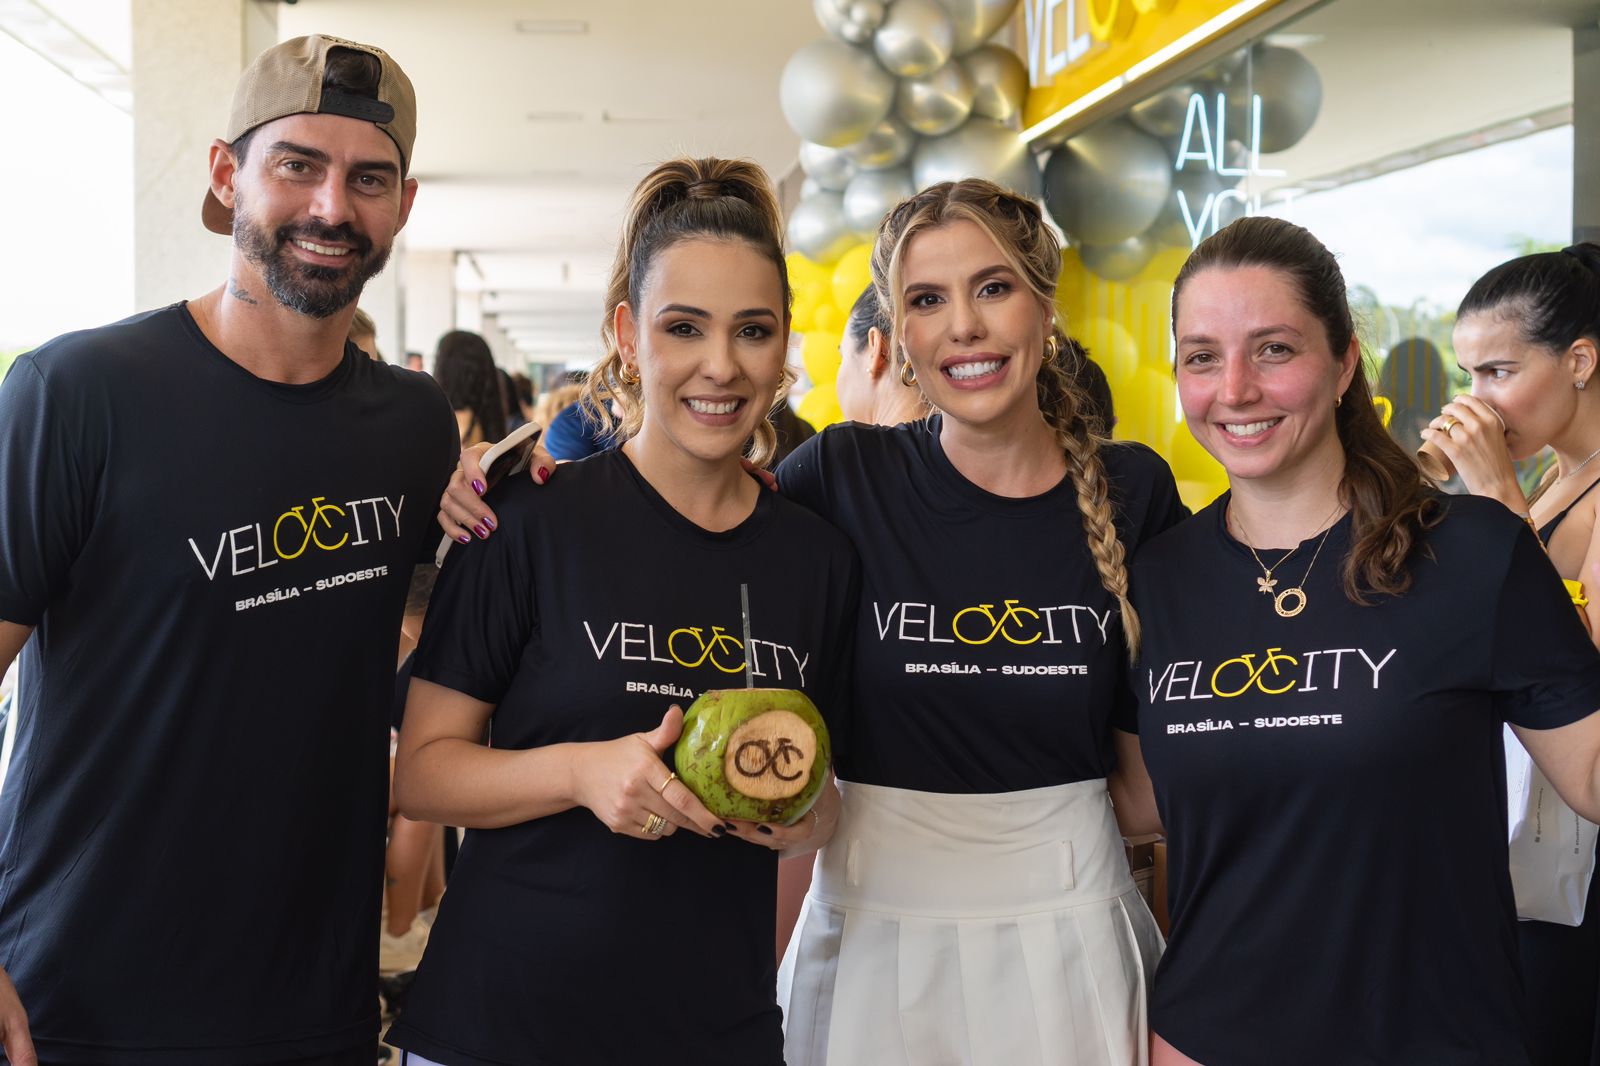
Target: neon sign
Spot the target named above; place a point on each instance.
(1204, 142)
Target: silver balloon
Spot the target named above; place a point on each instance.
(1107, 184)
(833, 94)
(867, 13)
(831, 168)
(938, 103)
(888, 145)
(834, 15)
(980, 149)
(915, 39)
(999, 82)
(1118, 262)
(874, 194)
(809, 188)
(1291, 97)
(976, 21)
(1203, 196)
(1163, 114)
(818, 229)
(857, 33)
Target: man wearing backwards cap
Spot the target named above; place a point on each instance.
(209, 515)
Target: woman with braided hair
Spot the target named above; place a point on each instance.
(974, 905)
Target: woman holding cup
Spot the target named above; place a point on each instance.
(1527, 332)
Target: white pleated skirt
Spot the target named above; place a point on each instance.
(971, 930)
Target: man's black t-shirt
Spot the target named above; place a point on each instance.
(988, 654)
(1333, 787)
(593, 609)
(191, 831)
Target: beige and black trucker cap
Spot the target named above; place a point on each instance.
(286, 79)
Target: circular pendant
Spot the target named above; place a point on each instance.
(1280, 601)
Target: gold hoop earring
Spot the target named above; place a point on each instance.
(1052, 348)
(1337, 401)
(628, 374)
(908, 374)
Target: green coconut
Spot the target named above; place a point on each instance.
(756, 754)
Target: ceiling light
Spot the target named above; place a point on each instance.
(39, 30)
(563, 27)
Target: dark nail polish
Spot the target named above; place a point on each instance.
(483, 534)
(763, 829)
(718, 830)
(489, 522)
(544, 475)
(464, 539)
(478, 487)
(730, 827)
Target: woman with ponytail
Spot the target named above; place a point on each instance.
(598, 913)
(974, 906)
(1528, 333)
(1330, 651)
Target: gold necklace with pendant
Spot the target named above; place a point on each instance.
(1267, 583)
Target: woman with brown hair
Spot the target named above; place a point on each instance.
(464, 368)
(1330, 650)
(581, 925)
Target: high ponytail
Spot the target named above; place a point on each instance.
(1032, 250)
(682, 199)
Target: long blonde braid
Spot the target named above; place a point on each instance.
(1033, 251)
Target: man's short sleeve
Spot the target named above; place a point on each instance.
(47, 492)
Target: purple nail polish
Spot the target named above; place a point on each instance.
(489, 522)
(478, 487)
(464, 539)
(544, 475)
(483, 534)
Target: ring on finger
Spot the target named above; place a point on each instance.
(672, 776)
(654, 824)
(1450, 422)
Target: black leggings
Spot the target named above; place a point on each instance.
(1561, 970)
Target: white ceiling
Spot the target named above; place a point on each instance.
(529, 144)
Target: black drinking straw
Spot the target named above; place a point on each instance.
(749, 662)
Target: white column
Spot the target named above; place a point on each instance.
(187, 55)
(381, 299)
(428, 282)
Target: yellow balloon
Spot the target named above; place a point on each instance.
(1191, 462)
(800, 319)
(820, 406)
(1112, 346)
(819, 351)
(1164, 265)
(803, 271)
(828, 318)
(1147, 409)
(1072, 290)
(851, 275)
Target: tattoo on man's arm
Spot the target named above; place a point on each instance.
(239, 292)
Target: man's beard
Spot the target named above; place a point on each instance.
(315, 291)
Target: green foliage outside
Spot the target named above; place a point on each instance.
(6, 356)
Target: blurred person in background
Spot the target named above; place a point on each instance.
(1527, 332)
(464, 368)
(522, 392)
(870, 382)
(364, 334)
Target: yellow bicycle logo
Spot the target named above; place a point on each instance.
(722, 648)
(1010, 625)
(1254, 674)
(319, 516)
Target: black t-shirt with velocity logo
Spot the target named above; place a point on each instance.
(988, 655)
(1333, 786)
(191, 831)
(594, 609)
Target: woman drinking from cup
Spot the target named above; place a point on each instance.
(1527, 332)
